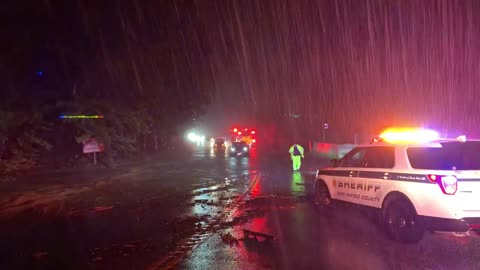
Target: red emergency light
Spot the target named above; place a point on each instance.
(239, 133)
(235, 130)
(253, 132)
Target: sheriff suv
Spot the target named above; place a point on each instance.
(431, 186)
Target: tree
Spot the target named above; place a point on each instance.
(22, 141)
(94, 58)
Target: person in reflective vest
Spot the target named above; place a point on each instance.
(296, 154)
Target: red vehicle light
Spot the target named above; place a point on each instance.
(235, 130)
(253, 131)
(254, 141)
(432, 178)
(239, 133)
(448, 183)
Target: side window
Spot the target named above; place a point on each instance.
(380, 157)
(354, 158)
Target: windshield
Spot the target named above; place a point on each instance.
(239, 144)
(451, 156)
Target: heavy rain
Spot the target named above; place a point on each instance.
(240, 134)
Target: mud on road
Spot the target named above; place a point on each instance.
(124, 221)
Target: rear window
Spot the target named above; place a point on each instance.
(452, 155)
(239, 144)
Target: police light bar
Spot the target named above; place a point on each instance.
(409, 135)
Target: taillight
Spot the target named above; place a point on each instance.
(448, 183)
(432, 178)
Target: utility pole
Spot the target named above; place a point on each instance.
(325, 127)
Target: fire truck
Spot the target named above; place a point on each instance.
(247, 135)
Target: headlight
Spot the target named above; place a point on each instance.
(245, 149)
(233, 149)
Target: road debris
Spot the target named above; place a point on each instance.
(40, 254)
(212, 189)
(102, 208)
(229, 239)
(201, 201)
(121, 249)
(248, 234)
(213, 203)
(98, 258)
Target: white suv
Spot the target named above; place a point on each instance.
(429, 186)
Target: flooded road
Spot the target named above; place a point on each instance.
(297, 236)
(123, 220)
(203, 211)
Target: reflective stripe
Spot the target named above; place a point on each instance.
(468, 180)
(380, 175)
(410, 177)
(369, 174)
(335, 173)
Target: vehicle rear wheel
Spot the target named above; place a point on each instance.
(401, 222)
(322, 197)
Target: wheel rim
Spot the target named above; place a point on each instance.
(400, 220)
(321, 196)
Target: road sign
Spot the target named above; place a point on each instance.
(92, 146)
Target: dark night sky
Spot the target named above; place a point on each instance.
(358, 64)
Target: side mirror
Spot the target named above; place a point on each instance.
(334, 162)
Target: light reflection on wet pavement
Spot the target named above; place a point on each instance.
(348, 238)
(197, 208)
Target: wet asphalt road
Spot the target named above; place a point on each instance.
(347, 238)
(189, 212)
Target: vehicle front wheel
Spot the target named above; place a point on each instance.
(322, 197)
(402, 223)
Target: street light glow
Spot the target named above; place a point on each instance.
(192, 137)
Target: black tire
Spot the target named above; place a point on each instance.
(401, 222)
(321, 198)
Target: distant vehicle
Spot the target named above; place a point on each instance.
(246, 135)
(219, 145)
(416, 186)
(239, 149)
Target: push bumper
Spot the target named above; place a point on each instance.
(451, 225)
(239, 154)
